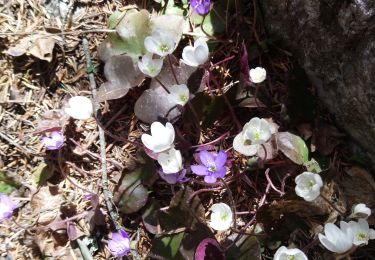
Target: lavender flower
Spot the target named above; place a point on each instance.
(54, 142)
(119, 245)
(7, 206)
(201, 7)
(173, 178)
(211, 166)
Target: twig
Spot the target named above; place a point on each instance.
(22, 149)
(107, 193)
(97, 30)
(332, 205)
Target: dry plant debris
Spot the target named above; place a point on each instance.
(228, 158)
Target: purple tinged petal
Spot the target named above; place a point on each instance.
(199, 170)
(210, 179)
(206, 158)
(221, 159)
(220, 173)
(7, 206)
(201, 7)
(119, 245)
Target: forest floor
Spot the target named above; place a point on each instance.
(56, 219)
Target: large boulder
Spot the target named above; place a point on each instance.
(334, 41)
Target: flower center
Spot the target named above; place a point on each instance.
(257, 136)
(152, 69)
(362, 237)
(290, 257)
(212, 168)
(164, 47)
(183, 98)
(224, 217)
(311, 184)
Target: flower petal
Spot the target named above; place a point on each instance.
(199, 170)
(221, 159)
(206, 158)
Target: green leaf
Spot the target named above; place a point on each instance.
(313, 166)
(133, 29)
(42, 173)
(167, 246)
(293, 147)
(5, 188)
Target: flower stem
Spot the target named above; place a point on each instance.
(332, 205)
(172, 69)
(163, 86)
(232, 203)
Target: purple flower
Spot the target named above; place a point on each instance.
(54, 141)
(6, 207)
(211, 166)
(119, 245)
(201, 7)
(173, 178)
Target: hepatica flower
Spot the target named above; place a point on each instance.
(221, 217)
(195, 55)
(119, 245)
(159, 42)
(150, 67)
(170, 161)
(361, 232)
(284, 253)
(308, 185)
(179, 94)
(211, 167)
(256, 132)
(7, 206)
(337, 240)
(201, 7)
(257, 75)
(360, 211)
(161, 138)
(54, 141)
(79, 107)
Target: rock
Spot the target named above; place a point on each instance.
(334, 41)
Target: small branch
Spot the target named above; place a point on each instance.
(98, 30)
(107, 193)
(332, 205)
(15, 144)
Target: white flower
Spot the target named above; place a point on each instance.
(257, 75)
(338, 240)
(308, 185)
(170, 161)
(150, 67)
(197, 55)
(179, 94)
(160, 42)
(361, 232)
(221, 216)
(254, 133)
(161, 138)
(360, 211)
(79, 107)
(284, 253)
